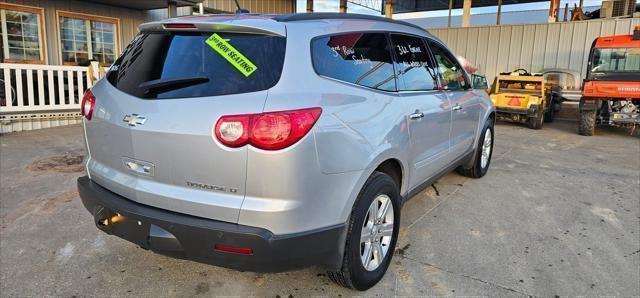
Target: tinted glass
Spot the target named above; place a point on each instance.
(165, 56)
(415, 69)
(616, 60)
(453, 77)
(359, 58)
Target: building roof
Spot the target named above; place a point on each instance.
(400, 6)
(144, 5)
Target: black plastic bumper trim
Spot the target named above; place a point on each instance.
(532, 111)
(193, 238)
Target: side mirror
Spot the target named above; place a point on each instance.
(480, 82)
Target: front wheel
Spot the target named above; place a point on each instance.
(372, 235)
(483, 153)
(587, 123)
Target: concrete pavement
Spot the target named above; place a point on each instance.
(557, 214)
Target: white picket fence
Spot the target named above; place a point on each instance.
(36, 96)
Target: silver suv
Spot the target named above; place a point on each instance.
(271, 143)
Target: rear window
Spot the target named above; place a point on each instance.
(177, 65)
(359, 58)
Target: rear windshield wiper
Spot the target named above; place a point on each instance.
(164, 85)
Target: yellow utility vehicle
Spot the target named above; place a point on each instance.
(519, 96)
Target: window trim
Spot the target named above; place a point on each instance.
(429, 40)
(41, 27)
(388, 39)
(438, 86)
(88, 17)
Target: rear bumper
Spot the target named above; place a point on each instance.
(194, 238)
(531, 112)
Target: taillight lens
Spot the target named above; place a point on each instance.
(87, 105)
(268, 131)
(233, 131)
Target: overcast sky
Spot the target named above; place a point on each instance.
(334, 6)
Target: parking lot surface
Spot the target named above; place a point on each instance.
(557, 214)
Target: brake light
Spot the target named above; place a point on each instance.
(179, 26)
(88, 102)
(268, 131)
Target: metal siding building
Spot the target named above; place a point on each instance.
(495, 49)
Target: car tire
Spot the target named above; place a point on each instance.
(587, 123)
(536, 121)
(353, 273)
(479, 167)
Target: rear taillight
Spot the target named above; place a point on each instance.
(268, 131)
(88, 102)
(233, 131)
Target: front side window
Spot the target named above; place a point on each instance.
(359, 58)
(453, 76)
(84, 38)
(414, 66)
(21, 30)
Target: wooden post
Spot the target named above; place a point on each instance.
(388, 10)
(466, 13)
(499, 12)
(450, 8)
(309, 5)
(343, 6)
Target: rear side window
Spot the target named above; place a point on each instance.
(177, 65)
(415, 70)
(453, 77)
(359, 58)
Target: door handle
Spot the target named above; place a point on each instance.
(457, 107)
(416, 115)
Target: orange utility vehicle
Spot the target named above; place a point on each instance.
(611, 91)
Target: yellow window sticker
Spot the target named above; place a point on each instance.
(226, 50)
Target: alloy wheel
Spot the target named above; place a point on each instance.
(377, 231)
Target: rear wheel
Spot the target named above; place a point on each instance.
(587, 123)
(372, 235)
(536, 121)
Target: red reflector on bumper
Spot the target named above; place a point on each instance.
(238, 250)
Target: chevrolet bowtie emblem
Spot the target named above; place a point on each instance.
(134, 119)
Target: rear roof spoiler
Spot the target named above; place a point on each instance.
(293, 17)
(247, 26)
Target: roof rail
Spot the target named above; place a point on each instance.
(292, 17)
